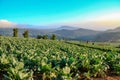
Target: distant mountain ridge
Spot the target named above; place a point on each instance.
(63, 32)
(114, 30)
(67, 28)
(109, 35)
(69, 33)
(76, 34)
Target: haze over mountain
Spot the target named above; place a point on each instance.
(109, 35)
(67, 28)
(114, 30)
(62, 32)
(95, 25)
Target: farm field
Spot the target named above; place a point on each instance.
(38, 59)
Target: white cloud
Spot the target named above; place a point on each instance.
(111, 16)
(6, 24)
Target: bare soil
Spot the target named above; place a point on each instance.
(105, 78)
(108, 78)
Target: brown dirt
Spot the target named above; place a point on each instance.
(1, 77)
(108, 78)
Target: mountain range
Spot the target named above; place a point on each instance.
(63, 32)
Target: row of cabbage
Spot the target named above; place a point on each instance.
(99, 46)
(32, 59)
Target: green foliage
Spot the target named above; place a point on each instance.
(26, 34)
(39, 37)
(13, 69)
(45, 36)
(53, 37)
(15, 32)
(27, 59)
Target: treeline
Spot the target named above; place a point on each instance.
(53, 37)
(26, 35)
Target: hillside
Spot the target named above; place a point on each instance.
(114, 30)
(62, 33)
(78, 34)
(109, 35)
(70, 33)
(33, 59)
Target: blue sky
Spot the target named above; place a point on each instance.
(42, 12)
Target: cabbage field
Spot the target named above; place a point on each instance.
(38, 59)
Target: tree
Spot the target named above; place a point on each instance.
(26, 34)
(53, 37)
(15, 32)
(45, 36)
(39, 36)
